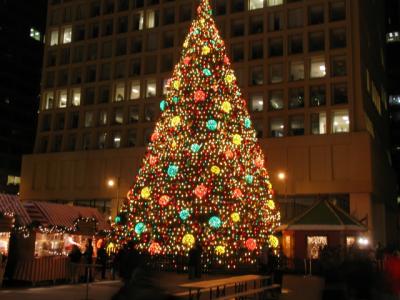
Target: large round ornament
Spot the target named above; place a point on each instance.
(184, 214)
(175, 121)
(237, 139)
(235, 217)
(273, 241)
(140, 228)
(199, 96)
(226, 107)
(188, 240)
(237, 193)
(164, 200)
(176, 84)
(271, 204)
(251, 244)
(247, 123)
(172, 170)
(215, 170)
(154, 248)
(219, 250)
(163, 105)
(145, 193)
(195, 148)
(200, 191)
(215, 222)
(212, 125)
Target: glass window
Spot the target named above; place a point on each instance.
(295, 18)
(296, 125)
(105, 95)
(66, 37)
(89, 96)
(135, 90)
(168, 39)
(237, 52)
(46, 122)
(92, 52)
(79, 33)
(116, 139)
(122, 24)
(57, 142)
(149, 112)
(101, 140)
(118, 116)
(317, 67)
(133, 114)
(54, 37)
(338, 38)
(151, 88)
(169, 15)
(237, 5)
(119, 92)
(296, 98)
(51, 58)
(89, 119)
(340, 121)
(76, 97)
(76, 76)
(256, 24)
(220, 7)
(275, 73)
(275, 47)
(138, 21)
(317, 95)
(339, 94)
(314, 246)
(276, 127)
(257, 75)
(106, 49)
(338, 65)
(78, 54)
(256, 102)
(152, 41)
(256, 4)
(48, 100)
(62, 99)
(274, 2)
(256, 50)
(151, 19)
(150, 64)
(275, 21)
(135, 67)
(296, 70)
(49, 81)
(65, 56)
(71, 142)
(295, 44)
(120, 69)
(275, 100)
(316, 15)
(258, 127)
(237, 28)
(44, 142)
(185, 13)
(136, 44)
(337, 11)
(108, 7)
(74, 120)
(94, 30)
(132, 138)
(316, 41)
(62, 77)
(59, 122)
(103, 117)
(105, 71)
(121, 47)
(318, 123)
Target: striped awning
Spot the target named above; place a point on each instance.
(12, 204)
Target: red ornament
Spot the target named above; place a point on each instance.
(199, 96)
(259, 162)
(154, 248)
(154, 137)
(200, 191)
(237, 193)
(251, 244)
(164, 200)
(226, 60)
(229, 154)
(186, 60)
(152, 160)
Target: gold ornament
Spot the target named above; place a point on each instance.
(145, 193)
(175, 121)
(215, 169)
(237, 139)
(235, 217)
(226, 107)
(188, 240)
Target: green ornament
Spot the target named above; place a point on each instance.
(207, 72)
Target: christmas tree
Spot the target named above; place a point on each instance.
(203, 178)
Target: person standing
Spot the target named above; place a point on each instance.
(102, 260)
(74, 258)
(88, 260)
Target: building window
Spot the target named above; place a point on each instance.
(138, 21)
(237, 52)
(120, 70)
(133, 114)
(275, 73)
(46, 122)
(103, 117)
(108, 7)
(185, 13)
(338, 65)
(340, 121)
(318, 123)
(338, 38)
(95, 9)
(92, 52)
(106, 49)
(59, 122)
(121, 46)
(44, 142)
(102, 140)
(150, 64)
(71, 142)
(296, 125)
(165, 86)
(149, 113)
(296, 70)
(256, 25)
(35, 34)
(316, 41)
(107, 27)
(49, 100)
(89, 119)
(237, 28)
(86, 141)
(136, 44)
(295, 44)
(275, 47)
(237, 5)
(256, 102)
(151, 19)
(118, 116)
(132, 138)
(74, 120)
(54, 37)
(339, 94)
(122, 25)
(274, 2)
(314, 246)
(105, 71)
(13, 180)
(256, 4)
(275, 21)
(135, 90)
(168, 39)
(169, 15)
(94, 31)
(256, 50)
(220, 7)
(91, 73)
(276, 127)
(51, 58)
(316, 15)
(119, 92)
(317, 95)
(275, 100)
(135, 67)
(76, 97)
(66, 35)
(337, 11)
(62, 99)
(78, 54)
(57, 142)
(296, 98)
(317, 67)
(104, 94)
(117, 139)
(295, 18)
(256, 75)
(79, 33)
(151, 88)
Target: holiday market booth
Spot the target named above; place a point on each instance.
(42, 249)
(322, 225)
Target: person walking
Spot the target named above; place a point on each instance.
(88, 260)
(75, 256)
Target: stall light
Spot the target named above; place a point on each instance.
(362, 241)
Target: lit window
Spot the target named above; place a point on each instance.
(135, 90)
(133, 114)
(317, 95)
(89, 119)
(67, 35)
(296, 98)
(118, 116)
(103, 118)
(76, 97)
(394, 100)
(296, 125)
(257, 103)
(138, 21)
(132, 138)
(318, 123)
(340, 121)
(276, 73)
(151, 89)
(117, 139)
(35, 34)
(119, 92)
(4, 242)
(150, 19)
(13, 180)
(49, 100)
(256, 4)
(296, 70)
(314, 246)
(101, 141)
(166, 83)
(62, 99)
(350, 241)
(274, 2)
(54, 37)
(276, 100)
(317, 67)
(276, 127)
(393, 37)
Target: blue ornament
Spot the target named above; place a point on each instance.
(247, 123)
(175, 99)
(172, 170)
(195, 148)
(184, 214)
(139, 228)
(249, 179)
(163, 105)
(207, 72)
(117, 219)
(212, 124)
(215, 222)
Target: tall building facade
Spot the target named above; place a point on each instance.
(317, 99)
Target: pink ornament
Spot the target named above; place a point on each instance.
(186, 60)
(237, 193)
(251, 244)
(200, 191)
(154, 248)
(154, 137)
(259, 162)
(199, 96)
(164, 200)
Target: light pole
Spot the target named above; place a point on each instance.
(282, 177)
(111, 183)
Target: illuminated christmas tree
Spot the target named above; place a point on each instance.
(203, 177)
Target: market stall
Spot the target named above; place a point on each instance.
(54, 230)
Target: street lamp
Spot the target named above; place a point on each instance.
(111, 183)
(282, 177)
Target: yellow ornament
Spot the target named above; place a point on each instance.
(173, 145)
(188, 240)
(186, 44)
(273, 241)
(237, 139)
(205, 50)
(215, 169)
(230, 78)
(175, 121)
(145, 193)
(176, 84)
(271, 204)
(226, 107)
(235, 217)
(219, 250)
